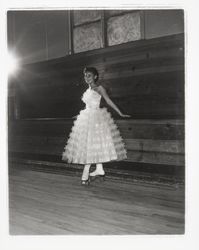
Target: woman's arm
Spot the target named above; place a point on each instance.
(104, 94)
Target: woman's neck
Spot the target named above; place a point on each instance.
(92, 85)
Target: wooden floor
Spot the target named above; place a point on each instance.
(45, 203)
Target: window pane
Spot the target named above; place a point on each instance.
(87, 37)
(82, 16)
(125, 28)
(163, 23)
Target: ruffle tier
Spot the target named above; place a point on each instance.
(94, 138)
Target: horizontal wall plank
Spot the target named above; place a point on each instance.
(130, 129)
(148, 151)
(152, 70)
(133, 156)
(156, 158)
(167, 146)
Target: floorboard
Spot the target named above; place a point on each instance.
(52, 204)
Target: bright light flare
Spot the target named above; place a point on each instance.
(12, 63)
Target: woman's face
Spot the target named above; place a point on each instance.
(89, 77)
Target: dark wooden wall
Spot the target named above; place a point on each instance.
(145, 79)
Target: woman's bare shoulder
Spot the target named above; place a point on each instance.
(101, 88)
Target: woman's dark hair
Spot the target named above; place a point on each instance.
(92, 70)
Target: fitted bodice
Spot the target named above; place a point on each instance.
(91, 98)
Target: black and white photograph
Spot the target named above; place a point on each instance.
(96, 121)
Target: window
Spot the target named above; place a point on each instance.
(94, 29)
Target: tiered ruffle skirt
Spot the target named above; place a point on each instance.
(94, 138)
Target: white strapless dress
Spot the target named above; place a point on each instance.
(94, 137)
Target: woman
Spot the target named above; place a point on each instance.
(94, 138)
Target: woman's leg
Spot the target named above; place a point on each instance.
(85, 173)
(98, 171)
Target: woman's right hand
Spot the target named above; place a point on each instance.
(123, 115)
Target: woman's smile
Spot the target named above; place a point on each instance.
(89, 77)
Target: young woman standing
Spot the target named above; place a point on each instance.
(94, 138)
